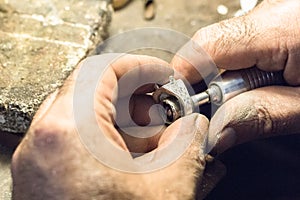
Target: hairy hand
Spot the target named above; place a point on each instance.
(52, 162)
(269, 38)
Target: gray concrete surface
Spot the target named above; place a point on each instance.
(40, 43)
(184, 16)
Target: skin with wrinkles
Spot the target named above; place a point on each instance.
(254, 118)
(46, 168)
(52, 163)
(269, 38)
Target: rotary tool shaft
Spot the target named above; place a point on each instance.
(177, 102)
(232, 83)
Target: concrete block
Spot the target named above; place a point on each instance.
(40, 44)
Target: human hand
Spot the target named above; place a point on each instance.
(267, 37)
(53, 163)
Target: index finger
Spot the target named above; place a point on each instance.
(193, 63)
(139, 73)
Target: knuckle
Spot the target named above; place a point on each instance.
(39, 143)
(48, 135)
(199, 34)
(227, 37)
(265, 123)
(206, 37)
(291, 70)
(254, 119)
(44, 138)
(273, 59)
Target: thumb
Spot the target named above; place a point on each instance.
(248, 116)
(183, 142)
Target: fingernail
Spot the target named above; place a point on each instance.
(226, 139)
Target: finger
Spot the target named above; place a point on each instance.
(179, 135)
(140, 123)
(292, 69)
(184, 143)
(225, 42)
(127, 62)
(248, 116)
(191, 126)
(133, 72)
(139, 110)
(193, 63)
(140, 145)
(124, 76)
(245, 41)
(187, 168)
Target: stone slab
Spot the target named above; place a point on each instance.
(40, 44)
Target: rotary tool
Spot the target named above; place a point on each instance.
(177, 102)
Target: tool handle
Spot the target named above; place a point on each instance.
(256, 78)
(232, 83)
